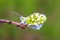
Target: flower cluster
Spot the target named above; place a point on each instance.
(34, 21)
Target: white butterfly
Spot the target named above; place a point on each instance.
(34, 21)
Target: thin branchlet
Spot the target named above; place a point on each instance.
(23, 26)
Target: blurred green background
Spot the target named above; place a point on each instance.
(50, 30)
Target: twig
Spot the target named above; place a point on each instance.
(23, 26)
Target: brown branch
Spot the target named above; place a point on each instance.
(23, 26)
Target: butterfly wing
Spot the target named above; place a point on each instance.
(22, 19)
(37, 23)
(36, 27)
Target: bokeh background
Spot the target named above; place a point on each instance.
(50, 30)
